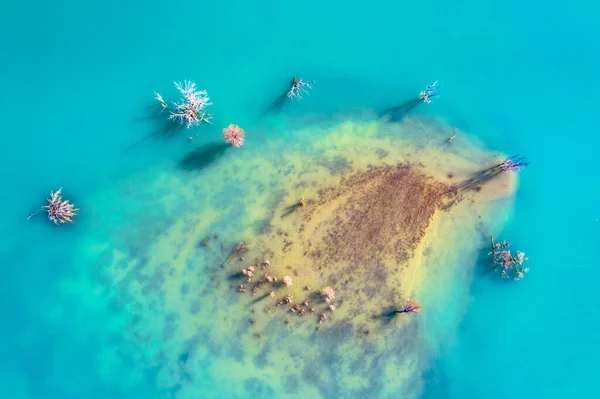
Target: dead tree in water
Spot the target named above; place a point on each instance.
(290, 209)
(238, 250)
(397, 113)
(510, 164)
(298, 88)
(411, 307)
(509, 264)
(59, 211)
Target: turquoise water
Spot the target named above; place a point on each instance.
(519, 77)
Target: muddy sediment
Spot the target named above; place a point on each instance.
(382, 213)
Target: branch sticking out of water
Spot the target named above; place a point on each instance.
(290, 209)
(397, 113)
(238, 250)
(511, 164)
(191, 109)
(411, 306)
(431, 91)
(299, 87)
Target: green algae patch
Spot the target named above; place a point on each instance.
(383, 220)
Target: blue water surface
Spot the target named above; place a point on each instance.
(523, 77)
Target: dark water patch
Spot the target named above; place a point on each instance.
(272, 203)
(337, 165)
(195, 306)
(310, 373)
(236, 350)
(183, 357)
(191, 345)
(170, 327)
(323, 378)
(387, 315)
(155, 283)
(184, 289)
(333, 333)
(126, 357)
(105, 259)
(399, 112)
(163, 128)
(134, 273)
(291, 383)
(265, 229)
(261, 359)
(233, 198)
(436, 382)
(186, 375)
(215, 349)
(256, 388)
(263, 224)
(381, 153)
(172, 391)
(204, 156)
(374, 372)
(277, 105)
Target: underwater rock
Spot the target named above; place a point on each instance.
(286, 300)
(322, 317)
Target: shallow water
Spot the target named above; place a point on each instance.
(187, 319)
(121, 304)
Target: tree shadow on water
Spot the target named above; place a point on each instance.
(399, 112)
(290, 209)
(166, 129)
(277, 105)
(203, 157)
(484, 264)
(478, 179)
(387, 315)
